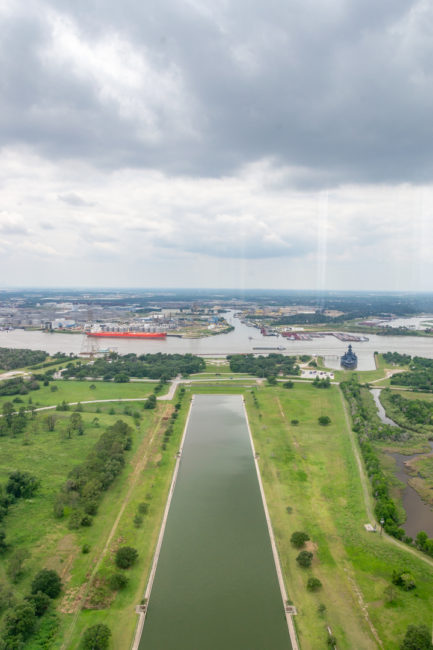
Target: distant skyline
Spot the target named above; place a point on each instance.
(215, 144)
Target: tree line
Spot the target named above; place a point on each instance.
(366, 430)
(151, 366)
(414, 413)
(396, 358)
(271, 365)
(82, 491)
(419, 376)
(11, 358)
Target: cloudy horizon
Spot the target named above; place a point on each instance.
(188, 144)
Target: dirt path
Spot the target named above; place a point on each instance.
(142, 456)
(388, 373)
(283, 417)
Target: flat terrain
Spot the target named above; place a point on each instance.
(80, 391)
(312, 471)
(312, 484)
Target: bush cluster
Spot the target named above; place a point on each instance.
(154, 366)
(264, 366)
(86, 482)
(366, 431)
(21, 617)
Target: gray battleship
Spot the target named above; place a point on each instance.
(349, 360)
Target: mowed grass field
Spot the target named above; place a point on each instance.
(30, 524)
(148, 480)
(311, 481)
(80, 391)
(311, 470)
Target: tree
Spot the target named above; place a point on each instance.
(76, 421)
(288, 384)
(138, 520)
(324, 420)
(40, 602)
(151, 402)
(16, 563)
(117, 581)
(421, 539)
(313, 584)
(121, 378)
(299, 538)
(390, 593)
(20, 621)
(7, 598)
(48, 581)
(126, 556)
(418, 637)
(403, 579)
(22, 484)
(50, 422)
(8, 411)
(96, 637)
(304, 559)
(3, 544)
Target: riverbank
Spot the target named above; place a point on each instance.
(241, 339)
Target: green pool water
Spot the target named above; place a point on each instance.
(216, 585)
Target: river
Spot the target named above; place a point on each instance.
(216, 584)
(242, 340)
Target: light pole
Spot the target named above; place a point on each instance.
(382, 521)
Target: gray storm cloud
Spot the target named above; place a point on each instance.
(142, 140)
(340, 89)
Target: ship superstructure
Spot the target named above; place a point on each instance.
(349, 360)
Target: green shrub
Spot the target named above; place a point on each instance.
(418, 637)
(96, 637)
(126, 556)
(299, 538)
(117, 581)
(304, 559)
(48, 581)
(313, 584)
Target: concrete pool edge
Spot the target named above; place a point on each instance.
(142, 611)
(288, 615)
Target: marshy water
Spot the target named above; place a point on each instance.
(216, 584)
(419, 515)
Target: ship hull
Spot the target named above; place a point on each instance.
(349, 365)
(128, 335)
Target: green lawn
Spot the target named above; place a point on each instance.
(410, 394)
(30, 524)
(312, 470)
(80, 391)
(148, 481)
(311, 482)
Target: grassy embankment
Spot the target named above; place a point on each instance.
(312, 471)
(148, 480)
(302, 469)
(30, 524)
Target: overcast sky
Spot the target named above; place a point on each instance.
(217, 143)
